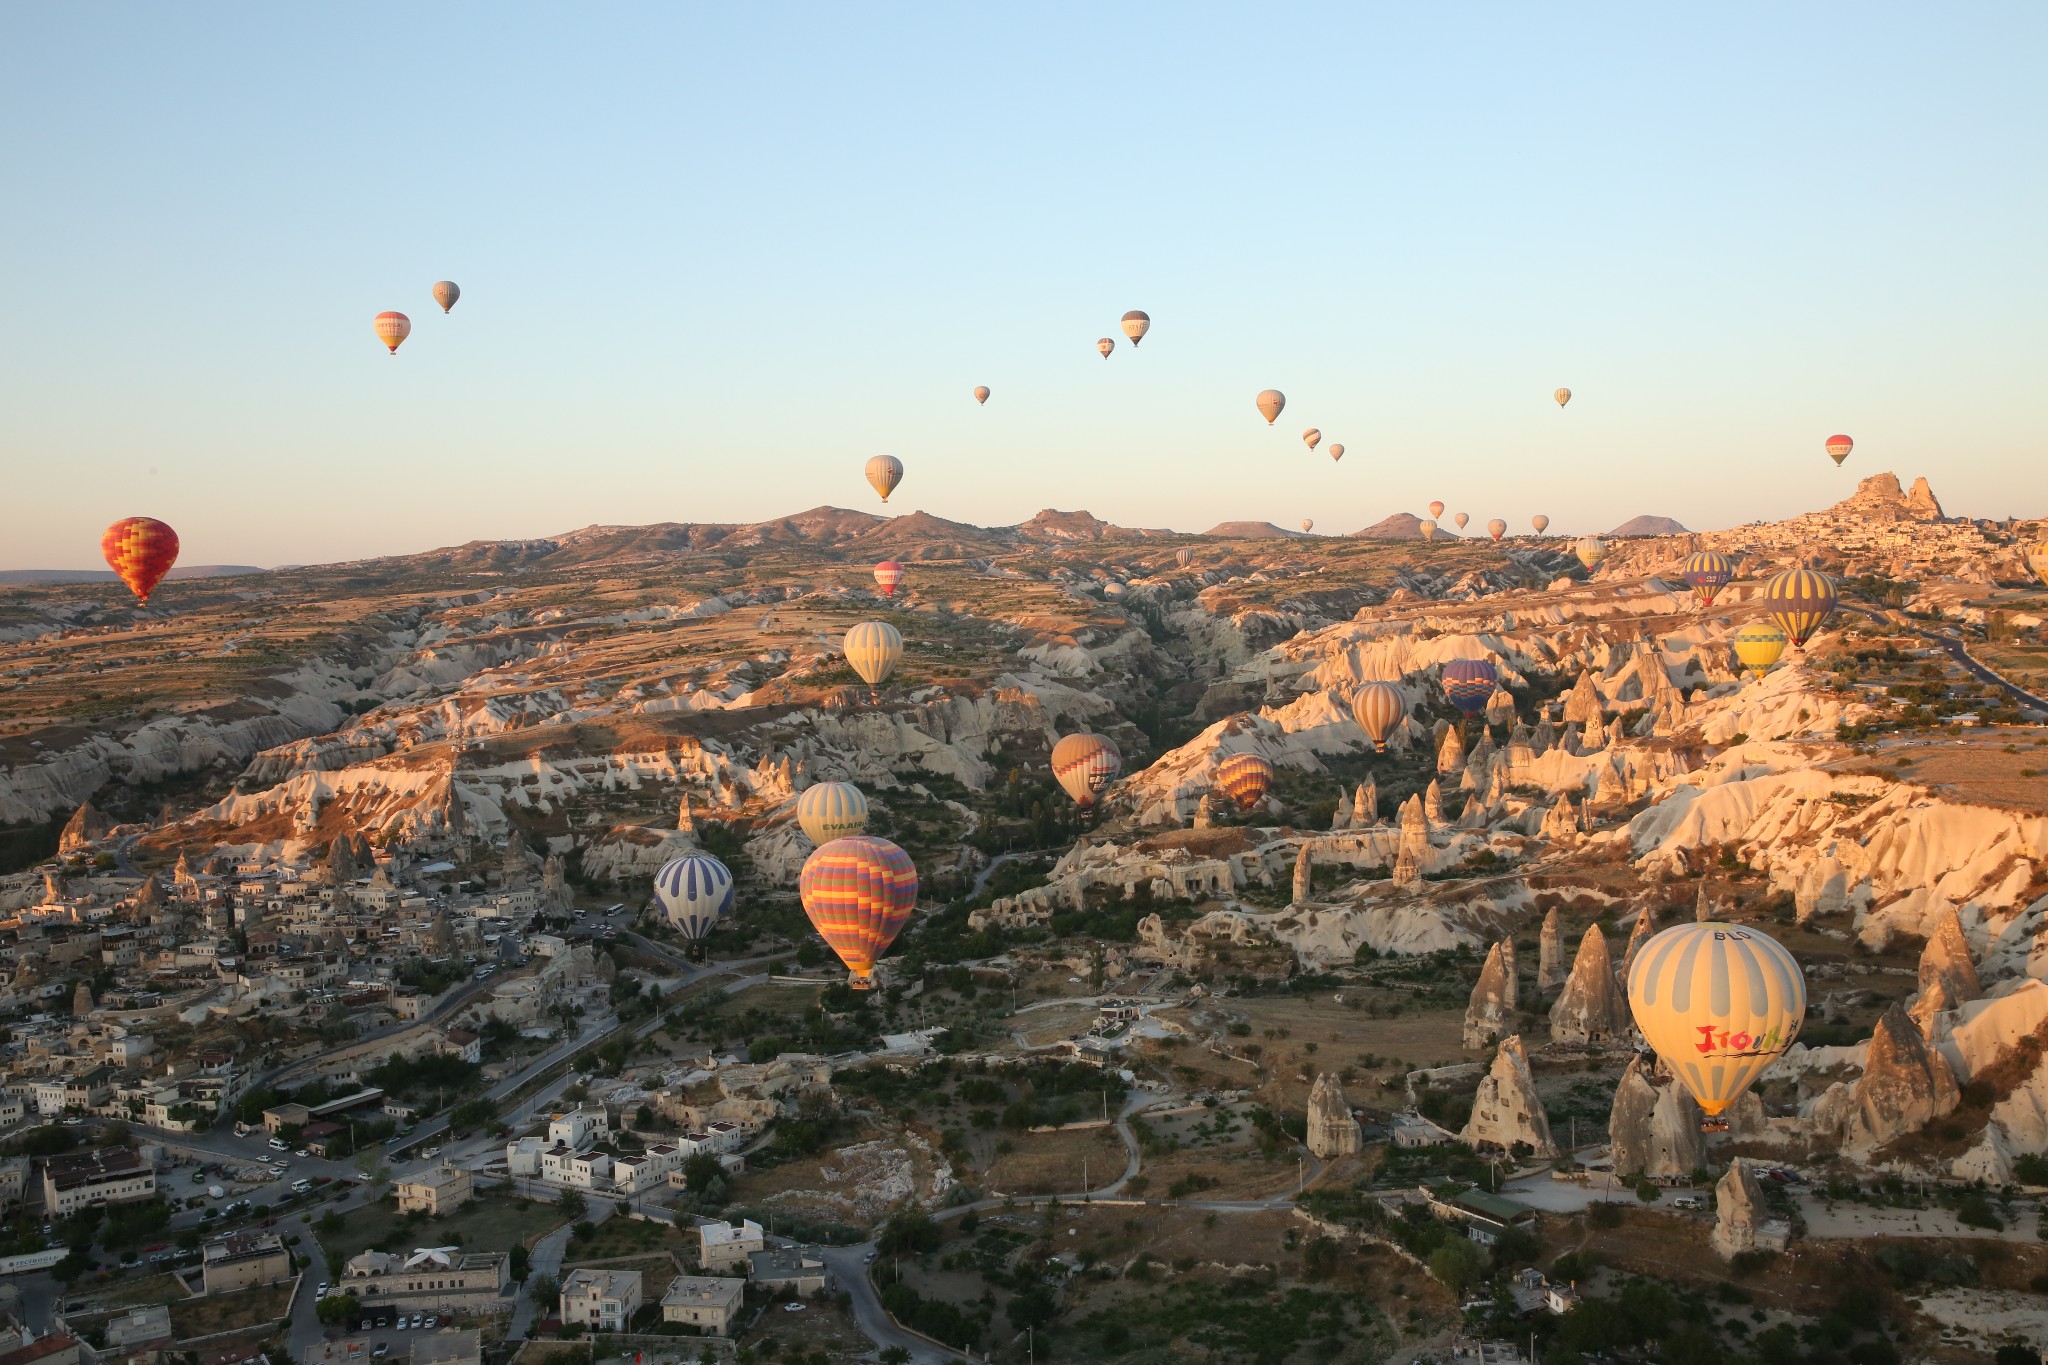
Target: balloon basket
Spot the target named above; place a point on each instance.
(1713, 1125)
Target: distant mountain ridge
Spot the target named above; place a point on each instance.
(1400, 526)
(32, 576)
(1250, 530)
(1649, 526)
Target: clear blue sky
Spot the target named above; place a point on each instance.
(715, 257)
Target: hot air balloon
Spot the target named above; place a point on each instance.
(884, 473)
(1428, 529)
(1800, 601)
(1184, 557)
(888, 574)
(1312, 437)
(1469, 682)
(391, 329)
(1757, 647)
(446, 292)
(1336, 451)
(1270, 402)
(872, 649)
(1084, 765)
(831, 810)
(859, 892)
(1245, 779)
(694, 890)
(1436, 509)
(1105, 345)
(1379, 707)
(1719, 1003)
(1562, 396)
(1461, 519)
(2037, 560)
(1590, 550)
(1496, 528)
(141, 550)
(1839, 448)
(1540, 522)
(1706, 572)
(981, 393)
(1136, 324)
(1308, 524)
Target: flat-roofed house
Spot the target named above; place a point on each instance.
(707, 1302)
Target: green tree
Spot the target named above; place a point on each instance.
(544, 1292)
(338, 1308)
(1457, 1264)
(1032, 1307)
(909, 1229)
(571, 1205)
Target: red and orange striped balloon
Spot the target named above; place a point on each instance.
(1379, 707)
(888, 574)
(141, 550)
(1245, 779)
(859, 892)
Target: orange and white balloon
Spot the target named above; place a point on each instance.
(392, 329)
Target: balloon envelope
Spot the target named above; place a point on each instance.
(446, 292)
(1706, 572)
(1719, 1003)
(2037, 560)
(981, 393)
(1245, 779)
(831, 810)
(141, 550)
(888, 574)
(1590, 550)
(1184, 557)
(858, 892)
(1312, 437)
(1496, 528)
(1461, 519)
(1136, 324)
(1379, 707)
(872, 649)
(1757, 647)
(1540, 522)
(1428, 529)
(1270, 402)
(1469, 682)
(1106, 345)
(1308, 524)
(694, 890)
(1084, 765)
(1336, 450)
(1562, 396)
(1800, 601)
(884, 473)
(1839, 448)
(1436, 509)
(392, 328)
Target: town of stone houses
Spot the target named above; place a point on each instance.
(350, 1013)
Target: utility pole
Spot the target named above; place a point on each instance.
(1300, 1175)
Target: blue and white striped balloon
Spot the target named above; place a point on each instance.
(694, 890)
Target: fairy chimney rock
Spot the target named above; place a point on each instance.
(1508, 964)
(1655, 1125)
(1590, 1008)
(1905, 1085)
(1739, 1211)
(1365, 805)
(1506, 1113)
(1332, 1132)
(1341, 817)
(1489, 1015)
(1646, 925)
(1946, 959)
(85, 828)
(1702, 908)
(1433, 803)
(1550, 970)
(1500, 707)
(1304, 876)
(1583, 705)
(1450, 757)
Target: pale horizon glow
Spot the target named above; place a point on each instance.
(712, 260)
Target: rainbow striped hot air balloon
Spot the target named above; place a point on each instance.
(831, 810)
(888, 574)
(1379, 707)
(1800, 601)
(1719, 1003)
(1706, 573)
(859, 893)
(1469, 683)
(694, 890)
(1245, 779)
(1757, 647)
(1085, 765)
(141, 550)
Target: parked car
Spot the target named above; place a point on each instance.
(381, 1349)
(416, 1320)
(321, 1292)
(792, 1308)
(277, 1144)
(303, 1152)
(432, 1323)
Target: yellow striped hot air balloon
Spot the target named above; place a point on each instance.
(1084, 765)
(1562, 396)
(1245, 779)
(1427, 528)
(1706, 572)
(884, 473)
(831, 810)
(1312, 438)
(1800, 601)
(872, 649)
(1591, 550)
(2037, 560)
(1379, 707)
(392, 328)
(859, 893)
(1757, 647)
(1719, 1003)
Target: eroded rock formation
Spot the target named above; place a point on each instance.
(1590, 1008)
(1489, 1015)
(1507, 1113)
(1332, 1132)
(1655, 1126)
(1738, 1210)
(1550, 970)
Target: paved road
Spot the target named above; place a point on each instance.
(849, 1267)
(1954, 647)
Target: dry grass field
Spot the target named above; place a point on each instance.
(1053, 1163)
